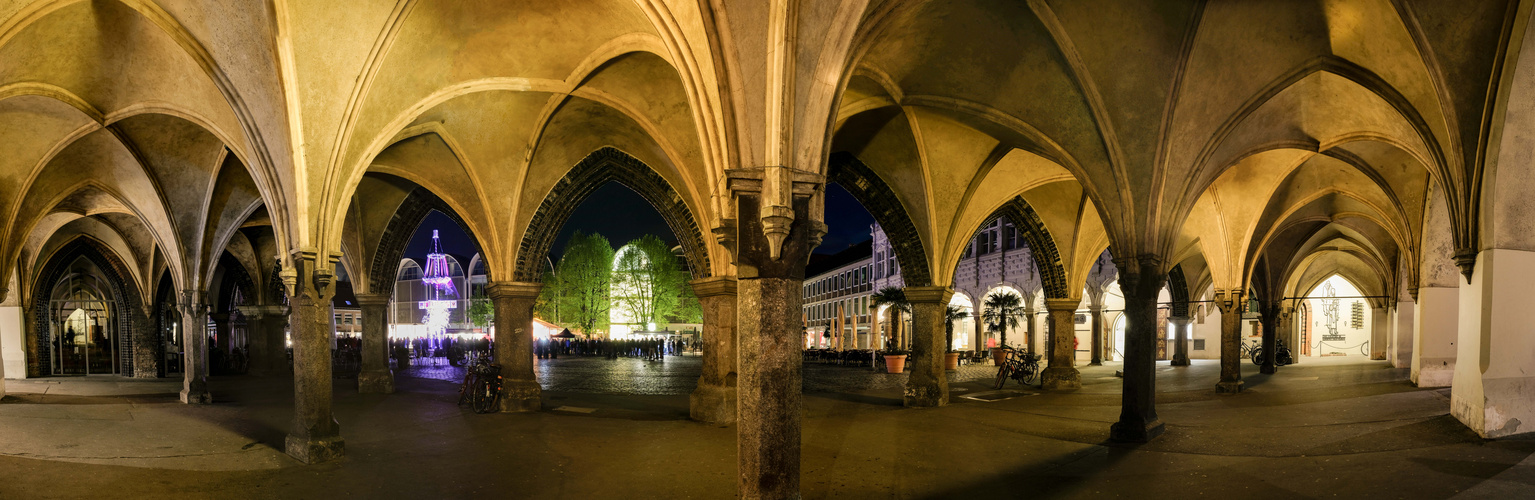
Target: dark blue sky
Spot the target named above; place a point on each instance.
(621, 215)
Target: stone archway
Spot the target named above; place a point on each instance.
(402, 226)
(881, 202)
(600, 167)
(1052, 274)
(138, 348)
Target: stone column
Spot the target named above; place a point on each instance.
(375, 377)
(975, 321)
(714, 401)
(255, 326)
(1268, 317)
(1030, 333)
(1493, 390)
(772, 244)
(1180, 328)
(514, 302)
(927, 386)
(315, 437)
(1401, 334)
(1061, 374)
(1436, 326)
(1098, 335)
(1231, 305)
(221, 331)
(1380, 332)
(194, 345)
(1141, 280)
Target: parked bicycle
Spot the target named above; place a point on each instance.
(482, 385)
(1282, 355)
(1020, 366)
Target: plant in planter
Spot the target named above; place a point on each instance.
(895, 298)
(950, 315)
(895, 360)
(1002, 312)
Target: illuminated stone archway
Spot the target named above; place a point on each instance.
(596, 169)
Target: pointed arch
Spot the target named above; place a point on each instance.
(600, 167)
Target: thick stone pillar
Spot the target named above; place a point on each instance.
(1436, 326)
(979, 326)
(927, 386)
(194, 344)
(1180, 328)
(1031, 334)
(1061, 374)
(375, 376)
(1402, 333)
(1141, 280)
(315, 437)
(772, 244)
(876, 333)
(221, 332)
(1380, 332)
(1098, 335)
(1231, 304)
(514, 302)
(255, 327)
(1269, 318)
(714, 401)
(1493, 389)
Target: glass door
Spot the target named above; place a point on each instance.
(83, 340)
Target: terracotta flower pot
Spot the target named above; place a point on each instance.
(951, 361)
(895, 363)
(998, 356)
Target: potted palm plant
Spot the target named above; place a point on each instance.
(1002, 311)
(950, 315)
(895, 298)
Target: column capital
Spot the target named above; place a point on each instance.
(1229, 299)
(513, 290)
(372, 299)
(1055, 305)
(193, 302)
(714, 286)
(929, 294)
(257, 312)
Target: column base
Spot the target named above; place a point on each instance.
(1434, 373)
(925, 397)
(1502, 409)
(714, 404)
(192, 397)
(1095, 363)
(375, 382)
(522, 396)
(1060, 378)
(1268, 369)
(1180, 361)
(1135, 432)
(1229, 387)
(314, 451)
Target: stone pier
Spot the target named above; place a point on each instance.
(315, 437)
(375, 377)
(714, 401)
(514, 302)
(927, 386)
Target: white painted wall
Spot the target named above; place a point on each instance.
(12, 348)
(1434, 336)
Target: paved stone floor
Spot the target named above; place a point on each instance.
(1341, 428)
(678, 375)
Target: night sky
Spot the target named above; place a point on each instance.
(621, 215)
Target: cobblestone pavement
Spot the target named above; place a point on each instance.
(678, 375)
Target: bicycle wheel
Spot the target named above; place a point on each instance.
(466, 391)
(484, 396)
(1029, 375)
(1258, 356)
(1002, 374)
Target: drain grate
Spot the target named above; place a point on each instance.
(994, 396)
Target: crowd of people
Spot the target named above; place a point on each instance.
(649, 349)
